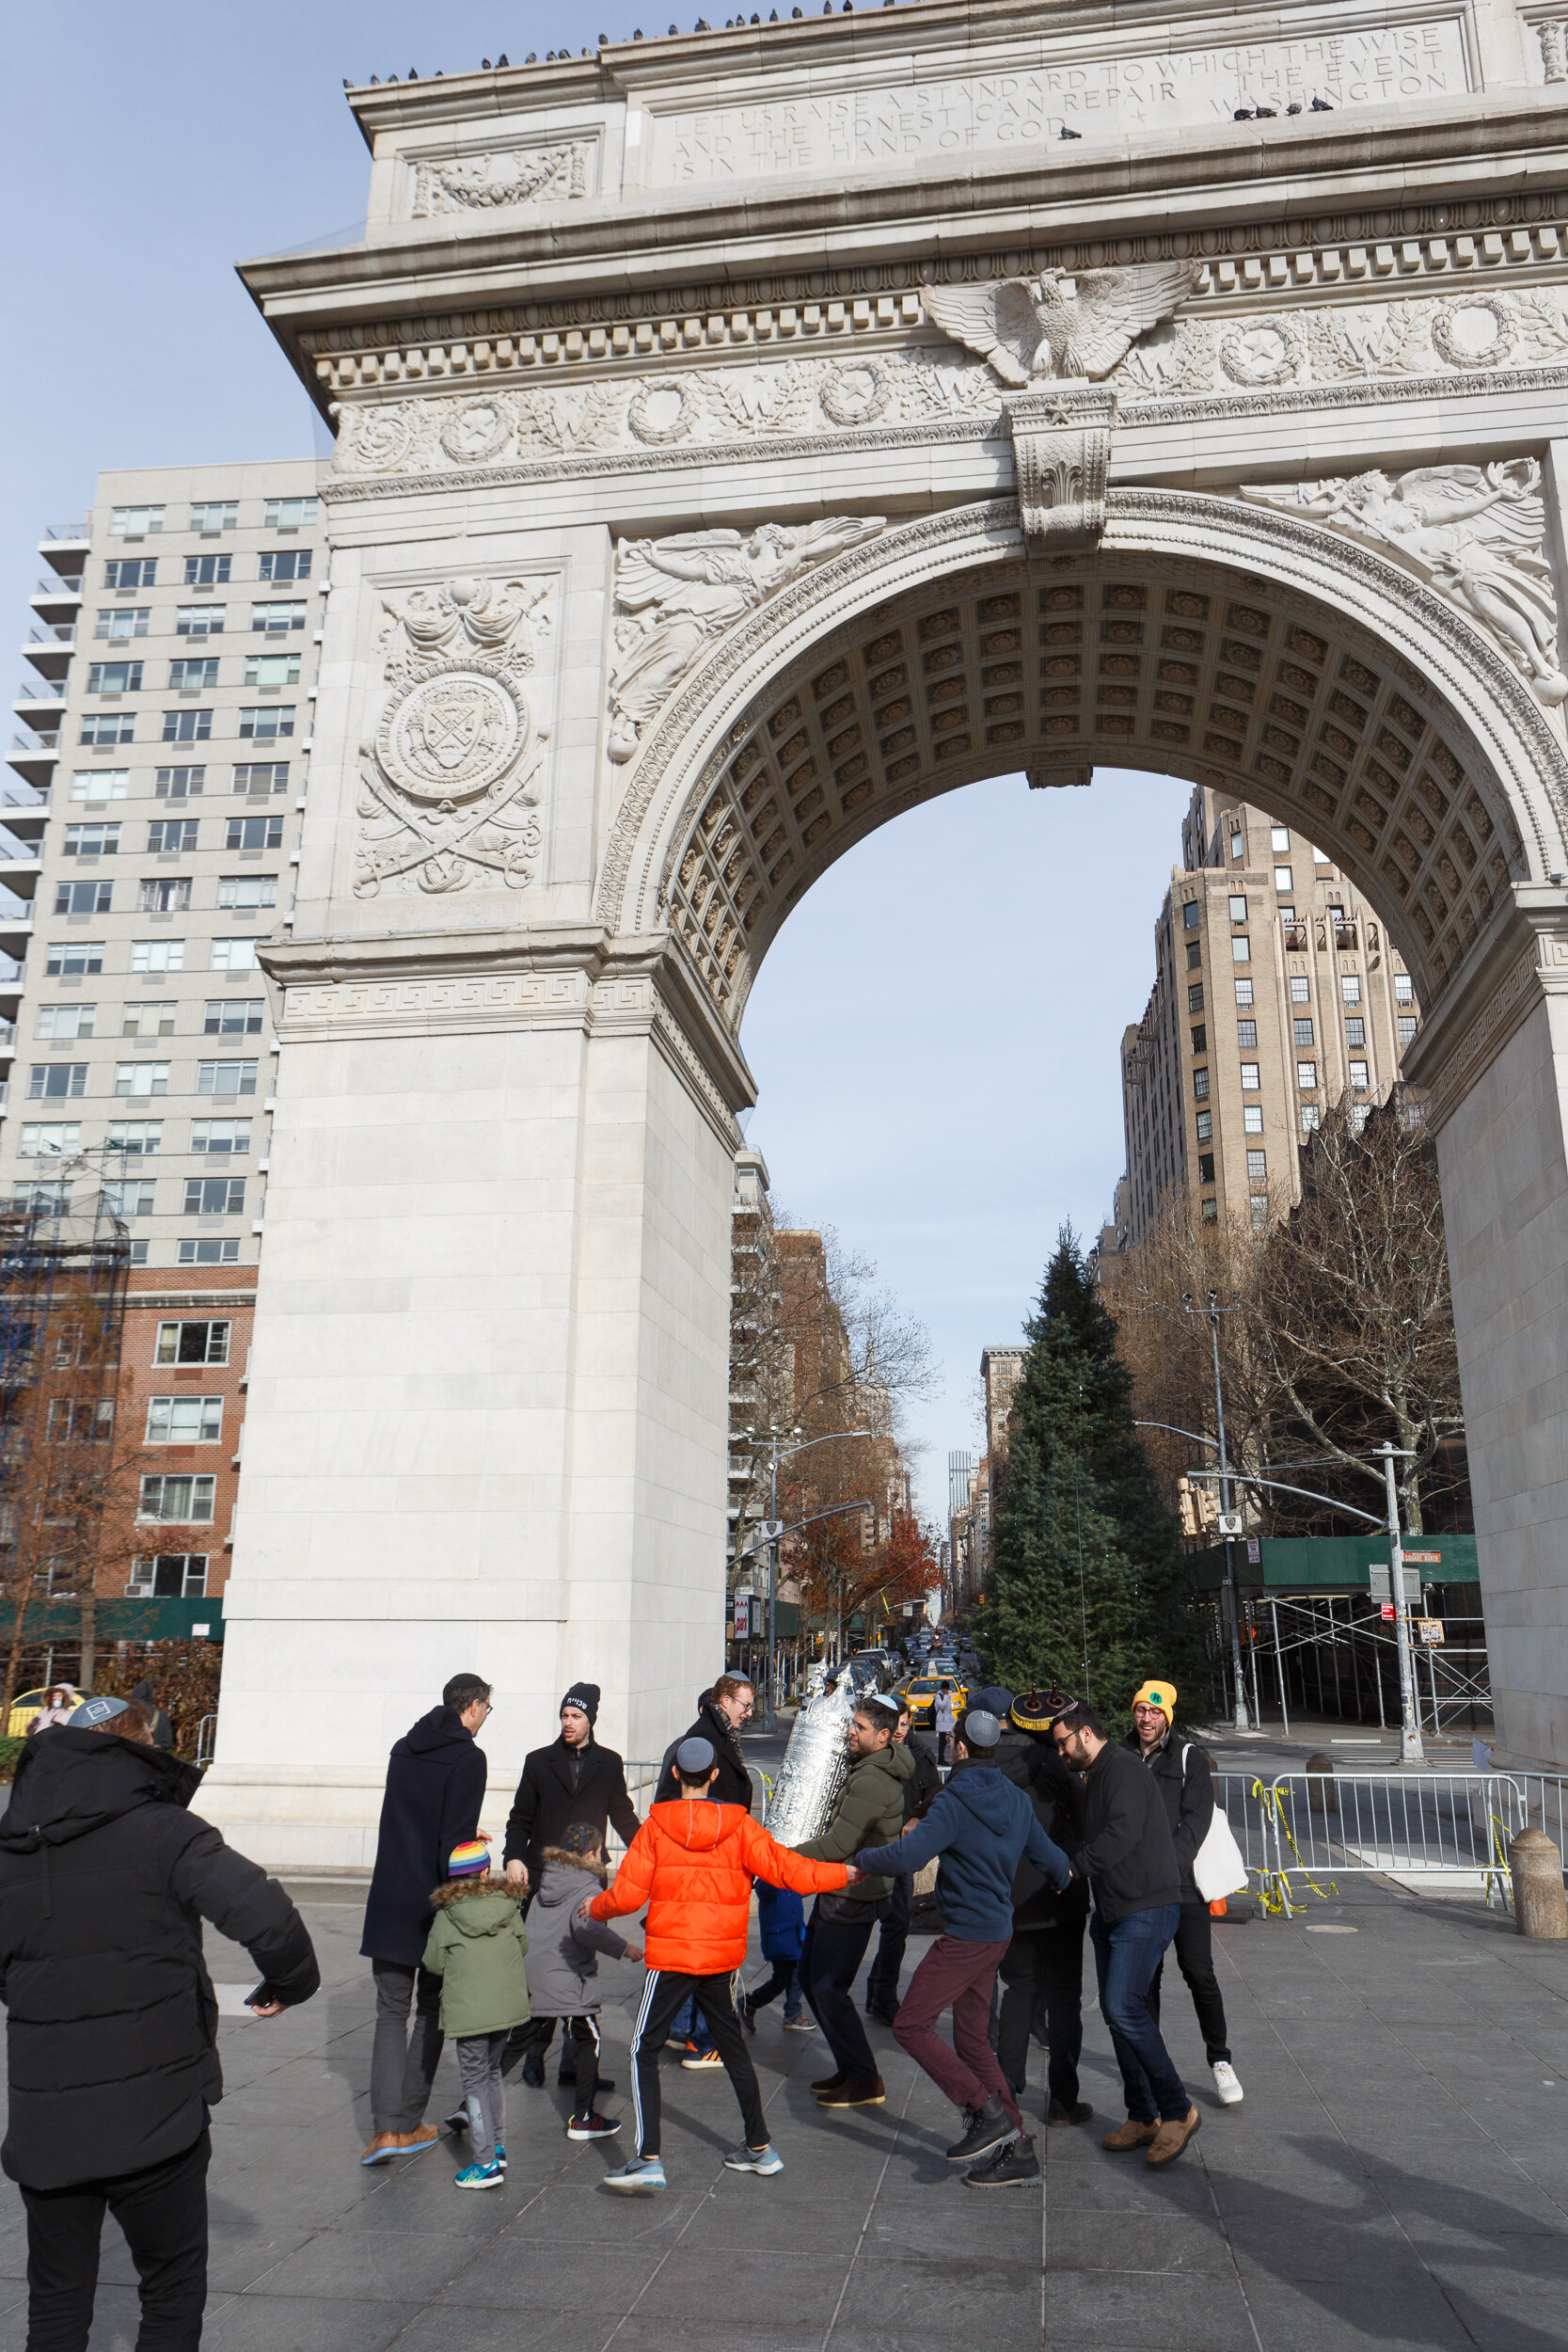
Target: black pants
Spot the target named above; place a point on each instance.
(1044, 1970)
(785, 1980)
(830, 1964)
(163, 2212)
(1193, 1946)
(881, 1977)
(579, 2054)
(663, 1991)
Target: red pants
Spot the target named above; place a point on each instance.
(958, 1976)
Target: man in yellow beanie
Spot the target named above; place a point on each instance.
(1182, 1769)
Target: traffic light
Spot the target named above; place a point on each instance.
(1196, 1506)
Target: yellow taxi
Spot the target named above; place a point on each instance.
(28, 1703)
(921, 1696)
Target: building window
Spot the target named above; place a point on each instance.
(1406, 1024)
(233, 1016)
(124, 620)
(184, 1420)
(214, 1196)
(134, 523)
(1302, 1026)
(66, 1020)
(1247, 1033)
(99, 784)
(209, 1253)
(52, 1199)
(187, 1501)
(258, 779)
(58, 1139)
(248, 890)
(1211, 1211)
(1356, 1030)
(114, 677)
(1205, 1126)
(77, 957)
(215, 514)
(288, 514)
(107, 728)
(1194, 998)
(1244, 993)
(272, 669)
(100, 840)
(1358, 1075)
(277, 618)
(141, 1077)
(157, 955)
(169, 1576)
(130, 1198)
(171, 837)
(147, 1020)
(254, 832)
(199, 620)
(1360, 1112)
(1252, 1118)
(180, 784)
(1282, 882)
(1195, 955)
(207, 571)
(284, 563)
(1238, 842)
(1206, 1168)
(171, 895)
(267, 721)
(136, 1138)
(233, 955)
(1311, 1118)
(1250, 1079)
(1200, 1037)
(1237, 910)
(187, 726)
(1200, 1086)
(1241, 948)
(1350, 989)
(1279, 837)
(221, 1139)
(84, 898)
(1405, 989)
(1307, 1077)
(132, 571)
(1258, 1202)
(226, 1077)
(193, 676)
(1190, 915)
(1300, 991)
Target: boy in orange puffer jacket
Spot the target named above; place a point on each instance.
(692, 1863)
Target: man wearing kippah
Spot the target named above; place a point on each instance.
(1181, 1773)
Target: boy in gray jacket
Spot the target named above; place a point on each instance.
(563, 1968)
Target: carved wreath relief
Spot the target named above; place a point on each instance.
(1475, 534)
(525, 175)
(673, 597)
(446, 781)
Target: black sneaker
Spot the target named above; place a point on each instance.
(458, 2120)
(881, 2006)
(748, 2016)
(533, 2070)
(985, 2128)
(1014, 2165)
(1056, 2113)
(592, 2128)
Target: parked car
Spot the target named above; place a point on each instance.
(922, 1695)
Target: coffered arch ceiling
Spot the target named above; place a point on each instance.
(1329, 689)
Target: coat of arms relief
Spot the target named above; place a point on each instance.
(449, 779)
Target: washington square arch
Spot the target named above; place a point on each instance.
(742, 437)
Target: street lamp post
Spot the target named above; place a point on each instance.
(788, 1452)
(1238, 1711)
(1411, 1749)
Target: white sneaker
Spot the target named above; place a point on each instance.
(1226, 2083)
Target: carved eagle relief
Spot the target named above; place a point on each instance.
(1033, 329)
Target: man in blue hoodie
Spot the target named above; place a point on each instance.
(980, 1827)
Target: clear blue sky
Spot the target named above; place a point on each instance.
(936, 1030)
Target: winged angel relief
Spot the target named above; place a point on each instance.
(1035, 330)
(1475, 534)
(446, 782)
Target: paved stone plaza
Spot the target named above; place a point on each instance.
(1398, 2176)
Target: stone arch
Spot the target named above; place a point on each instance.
(1202, 638)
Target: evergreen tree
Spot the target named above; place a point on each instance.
(1084, 1586)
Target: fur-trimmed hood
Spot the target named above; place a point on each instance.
(600, 1870)
(469, 1891)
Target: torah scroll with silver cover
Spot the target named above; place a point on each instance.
(814, 1769)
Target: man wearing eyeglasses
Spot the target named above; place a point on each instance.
(436, 1782)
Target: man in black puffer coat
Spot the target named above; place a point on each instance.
(720, 1713)
(112, 2034)
(436, 1782)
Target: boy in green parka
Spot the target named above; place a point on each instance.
(476, 1948)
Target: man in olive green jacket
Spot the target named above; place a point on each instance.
(870, 1812)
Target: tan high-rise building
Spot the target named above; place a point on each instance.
(1277, 990)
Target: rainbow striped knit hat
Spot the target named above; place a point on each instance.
(468, 1860)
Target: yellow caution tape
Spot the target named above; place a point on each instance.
(1273, 1886)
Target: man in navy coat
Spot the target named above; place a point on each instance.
(435, 1789)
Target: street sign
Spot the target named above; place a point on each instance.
(768, 1530)
(1254, 1551)
(1431, 1630)
(1380, 1583)
(1386, 1613)
(742, 1615)
(1229, 1522)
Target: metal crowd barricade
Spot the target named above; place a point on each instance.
(1419, 1828)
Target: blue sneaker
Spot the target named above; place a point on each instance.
(744, 2159)
(638, 2178)
(481, 2176)
(500, 2156)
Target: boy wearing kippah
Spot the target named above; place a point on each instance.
(476, 1948)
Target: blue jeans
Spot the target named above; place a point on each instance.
(690, 2024)
(1126, 1955)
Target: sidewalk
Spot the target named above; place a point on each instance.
(1397, 2177)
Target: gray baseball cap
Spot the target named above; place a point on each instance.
(981, 1728)
(694, 1759)
(96, 1710)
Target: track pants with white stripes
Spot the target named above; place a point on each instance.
(662, 1993)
